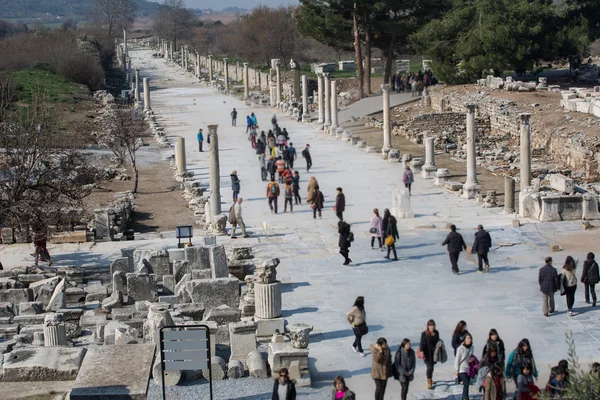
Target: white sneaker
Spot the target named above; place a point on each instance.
(354, 349)
(362, 354)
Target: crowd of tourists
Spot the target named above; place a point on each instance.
(402, 82)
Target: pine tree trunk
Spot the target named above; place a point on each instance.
(358, 53)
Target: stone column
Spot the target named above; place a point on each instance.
(305, 112)
(321, 106)
(525, 150)
(327, 119)
(226, 73)
(210, 69)
(55, 331)
(125, 42)
(387, 132)
(146, 95)
(278, 83)
(180, 156)
(215, 181)
(429, 168)
(471, 187)
(267, 299)
(297, 83)
(197, 65)
(137, 86)
(509, 194)
(334, 108)
(246, 82)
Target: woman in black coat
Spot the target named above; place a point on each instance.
(590, 277)
(429, 339)
(284, 388)
(405, 363)
(343, 242)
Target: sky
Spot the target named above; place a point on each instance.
(249, 4)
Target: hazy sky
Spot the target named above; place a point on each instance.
(249, 4)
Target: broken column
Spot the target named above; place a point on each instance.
(429, 169)
(215, 193)
(296, 82)
(210, 69)
(509, 194)
(267, 295)
(334, 108)
(278, 83)
(305, 112)
(226, 73)
(55, 331)
(180, 157)
(387, 132)
(525, 149)
(326, 83)
(146, 95)
(246, 82)
(136, 89)
(471, 187)
(320, 98)
(125, 42)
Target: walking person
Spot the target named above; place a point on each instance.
(526, 389)
(456, 244)
(300, 111)
(296, 188)
(281, 142)
(280, 164)
(248, 123)
(391, 232)
(341, 391)
(495, 385)
(312, 186)
(590, 276)
(487, 364)
(408, 178)
(404, 365)
(307, 157)
(235, 218)
(284, 388)
(494, 340)
(235, 185)
(429, 339)
(548, 280)
(271, 168)
(380, 365)
(200, 137)
(340, 204)
(292, 155)
(519, 358)
(346, 237)
(569, 283)
(234, 117)
(357, 318)
(274, 121)
(461, 363)
(375, 229)
(272, 195)
(458, 336)
(481, 246)
(288, 197)
(384, 222)
(317, 203)
(41, 250)
(271, 141)
(254, 120)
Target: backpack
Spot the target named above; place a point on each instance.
(274, 189)
(304, 153)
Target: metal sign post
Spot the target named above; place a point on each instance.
(185, 347)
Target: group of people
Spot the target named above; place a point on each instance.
(415, 83)
(481, 246)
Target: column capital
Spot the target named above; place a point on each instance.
(524, 118)
(245, 64)
(212, 129)
(326, 75)
(319, 75)
(471, 107)
(386, 87)
(225, 59)
(210, 56)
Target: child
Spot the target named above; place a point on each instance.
(495, 386)
(526, 389)
(288, 197)
(556, 386)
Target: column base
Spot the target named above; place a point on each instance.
(320, 121)
(471, 190)
(428, 171)
(306, 118)
(333, 129)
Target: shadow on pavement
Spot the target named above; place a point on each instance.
(301, 310)
(289, 287)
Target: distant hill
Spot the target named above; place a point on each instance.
(49, 9)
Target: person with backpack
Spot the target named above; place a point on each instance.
(590, 276)
(248, 123)
(549, 283)
(391, 231)
(404, 366)
(456, 244)
(380, 365)
(307, 157)
(357, 318)
(200, 137)
(346, 237)
(461, 364)
(234, 117)
(280, 164)
(569, 283)
(520, 357)
(235, 185)
(427, 346)
(235, 218)
(288, 197)
(296, 188)
(254, 120)
(408, 178)
(292, 155)
(317, 203)
(481, 247)
(340, 204)
(272, 195)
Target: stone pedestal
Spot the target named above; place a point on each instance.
(401, 207)
(55, 331)
(471, 187)
(136, 89)
(442, 175)
(334, 108)
(509, 195)
(267, 299)
(305, 111)
(215, 182)
(590, 207)
(525, 147)
(283, 355)
(429, 169)
(242, 336)
(299, 335)
(146, 94)
(387, 132)
(327, 84)
(180, 156)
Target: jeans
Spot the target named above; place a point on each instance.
(308, 163)
(590, 287)
(291, 163)
(373, 241)
(297, 198)
(404, 390)
(273, 203)
(380, 385)
(547, 302)
(315, 212)
(429, 364)
(357, 338)
(454, 261)
(570, 293)
(481, 259)
(288, 200)
(392, 248)
(407, 185)
(233, 121)
(340, 215)
(466, 382)
(200, 146)
(235, 195)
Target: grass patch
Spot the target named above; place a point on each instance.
(41, 77)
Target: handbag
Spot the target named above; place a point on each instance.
(313, 205)
(420, 353)
(373, 230)
(390, 240)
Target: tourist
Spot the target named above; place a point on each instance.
(562, 365)
(340, 204)
(590, 276)
(458, 336)
(495, 385)
(557, 384)
(494, 340)
(312, 186)
(521, 356)
(292, 152)
(307, 157)
(263, 137)
(235, 185)
(200, 137)
(526, 389)
(288, 175)
(275, 152)
(233, 117)
(280, 164)
(346, 237)
(357, 317)
(408, 178)
(286, 156)
(548, 280)
(317, 203)
(380, 365)
(270, 141)
(595, 371)
(487, 364)
(427, 346)
(384, 221)
(461, 364)
(404, 365)
(456, 244)
(296, 188)
(41, 250)
(413, 86)
(300, 111)
(481, 246)
(236, 219)
(272, 195)
(391, 231)
(281, 142)
(288, 197)
(285, 134)
(252, 137)
(248, 123)
(340, 390)
(271, 168)
(569, 283)
(254, 120)
(284, 388)
(375, 229)
(274, 121)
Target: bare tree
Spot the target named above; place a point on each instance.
(113, 14)
(173, 20)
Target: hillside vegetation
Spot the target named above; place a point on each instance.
(77, 9)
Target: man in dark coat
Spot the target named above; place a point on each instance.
(456, 244)
(343, 242)
(548, 280)
(481, 246)
(340, 204)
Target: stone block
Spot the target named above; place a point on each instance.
(257, 367)
(29, 319)
(590, 207)
(159, 260)
(283, 355)
(266, 327)
(218, 369)
(176, 255)
(75, 295)
(209, 240)
(91, 318)
(10, 283)
(172, 299)
(123, 314)
(95, 293)
(97, 379)
(562, 183)
(240, 268)
(31, 308)
(141, 287)
(242, 336)
(126, 336)
(180, 289)
(218, 261)
(453, 186)
(122, 265)
(168, 285)
(235, 369)
(109, 331)
(241, 253)
(214, 292)
(224, 315)
(50, 283)
(180, 268)
(197, 257)
(15, 296)
(37, 364)
(201, 274)
(195, 311)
